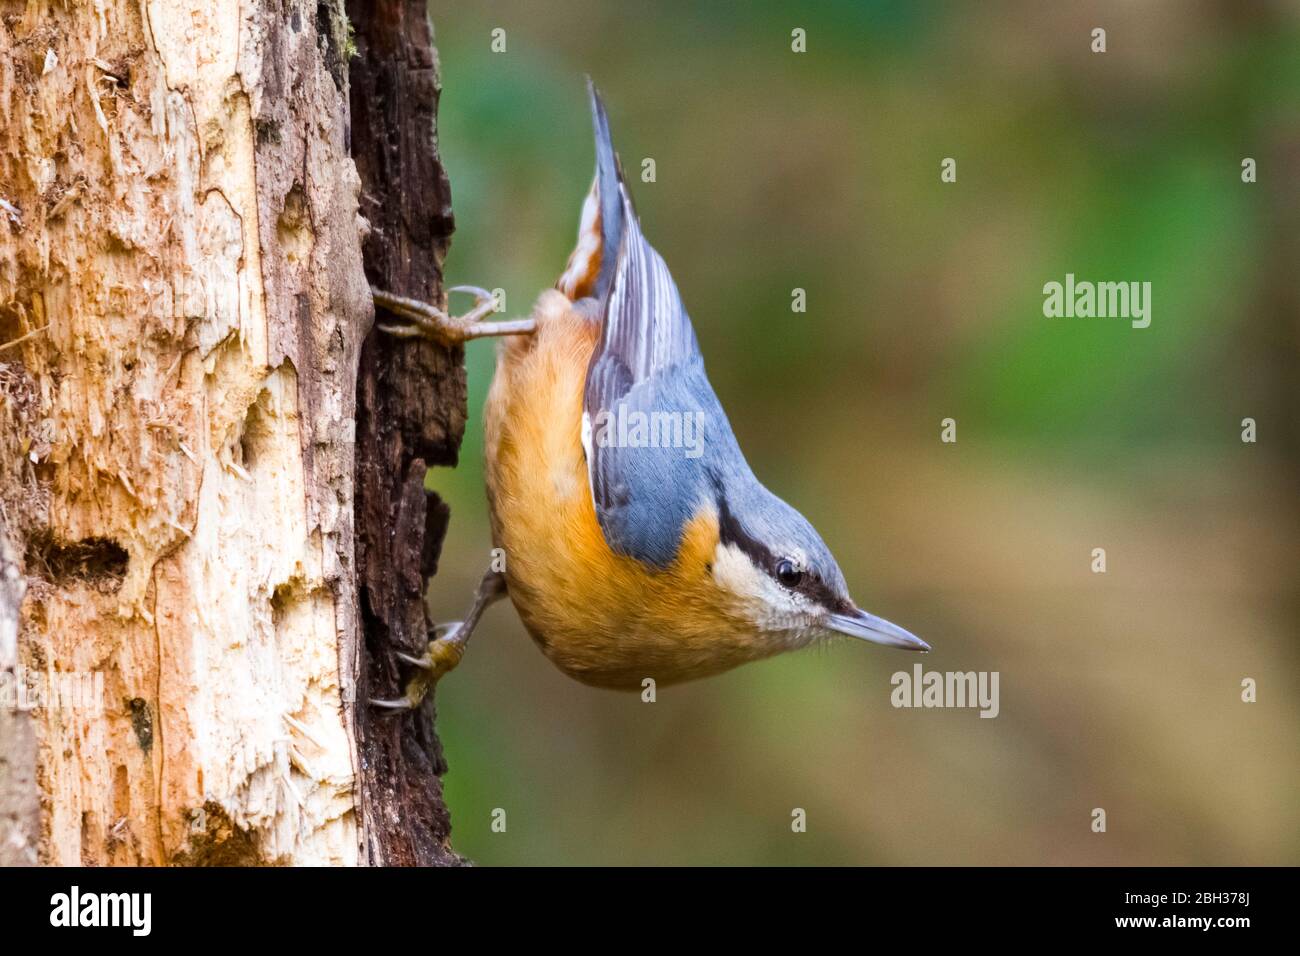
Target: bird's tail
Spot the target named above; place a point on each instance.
(594, 260)
(609, 188)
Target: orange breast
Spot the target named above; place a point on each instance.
(604, 618)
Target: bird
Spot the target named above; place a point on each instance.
(637, 543)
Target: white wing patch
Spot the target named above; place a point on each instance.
(586, 450)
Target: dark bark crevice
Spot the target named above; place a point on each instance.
(411, 410)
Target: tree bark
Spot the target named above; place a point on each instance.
(411, 414)
(183, 307)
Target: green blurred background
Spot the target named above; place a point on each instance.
(820, 171)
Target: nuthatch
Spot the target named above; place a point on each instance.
(638, 543)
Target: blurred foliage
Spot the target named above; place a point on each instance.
(821, 171)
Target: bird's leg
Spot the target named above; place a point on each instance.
(447, 646)
(430, 322)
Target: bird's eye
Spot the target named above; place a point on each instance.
(789, 573)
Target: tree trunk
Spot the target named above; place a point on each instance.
(411, 414)
(183, 306)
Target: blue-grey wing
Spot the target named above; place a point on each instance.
(651, 458)
(647, 404)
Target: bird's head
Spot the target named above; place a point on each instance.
(781, 576)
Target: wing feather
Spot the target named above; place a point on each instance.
(647, 361)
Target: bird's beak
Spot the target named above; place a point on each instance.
(868, 627)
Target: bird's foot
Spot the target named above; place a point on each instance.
(441, 657)
(446, 647)
(429, 322)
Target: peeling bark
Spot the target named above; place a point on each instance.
(180, 260)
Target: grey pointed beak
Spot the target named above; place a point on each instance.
(868, 627)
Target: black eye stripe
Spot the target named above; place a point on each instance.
(810, 585)
(730, 532)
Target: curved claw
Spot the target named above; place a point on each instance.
(401, 331)
(447, 630)
(477, 292)
(485, 303)
(402, 703)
